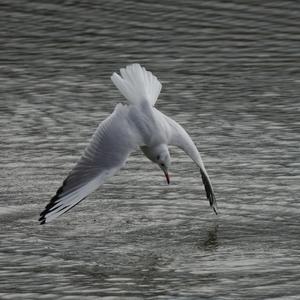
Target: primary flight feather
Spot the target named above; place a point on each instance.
(135, 125)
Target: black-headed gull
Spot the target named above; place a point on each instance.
(137, 124)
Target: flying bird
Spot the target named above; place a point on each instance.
(137, 124)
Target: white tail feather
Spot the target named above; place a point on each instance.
(137, 84)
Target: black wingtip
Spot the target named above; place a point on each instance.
(50, 205)
(209, 191)
(42, 218)
(215, 210)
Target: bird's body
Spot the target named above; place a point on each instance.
(130, 126)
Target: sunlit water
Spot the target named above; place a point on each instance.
(230, 74)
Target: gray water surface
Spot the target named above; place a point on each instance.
(230, 75)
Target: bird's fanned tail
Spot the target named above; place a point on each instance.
(137, 84)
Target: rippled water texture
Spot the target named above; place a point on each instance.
(230, 74)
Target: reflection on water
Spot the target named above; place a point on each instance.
(230, 74)
(211, 242)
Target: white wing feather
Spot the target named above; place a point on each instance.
(104, 156)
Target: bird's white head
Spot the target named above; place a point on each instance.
(160, 155)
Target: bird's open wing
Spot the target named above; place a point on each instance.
(103, 157)
(177, 136)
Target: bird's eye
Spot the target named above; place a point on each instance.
(162, 165)
(157, 157)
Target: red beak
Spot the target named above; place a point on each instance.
(167, 176)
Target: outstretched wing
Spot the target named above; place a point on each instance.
(103, 157)
(177, 136)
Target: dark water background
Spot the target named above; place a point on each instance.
(230, 74)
